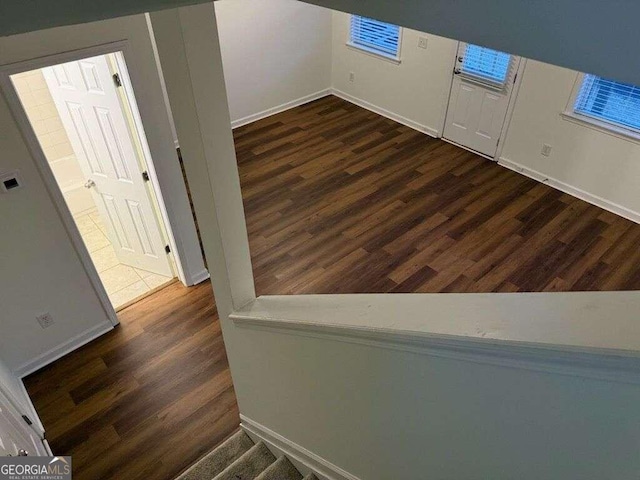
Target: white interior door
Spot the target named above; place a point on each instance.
(482, 86)
(87, 100)
(16, 434)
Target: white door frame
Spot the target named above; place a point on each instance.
(507, 118)
(511, 107)
(46, 172)
(10, 403)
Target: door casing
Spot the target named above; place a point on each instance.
(44, 168)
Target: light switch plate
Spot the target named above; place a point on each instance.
(422, 42)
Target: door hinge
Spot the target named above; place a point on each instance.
(27, 420)
(515, 77)
(116, 79)
(167, 248)
(145, 176)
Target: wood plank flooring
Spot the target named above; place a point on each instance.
(341, 200)
(338, 200)
(147, 399)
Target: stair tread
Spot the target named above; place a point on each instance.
(281, 469)
(311, 476)
(249, 465)
(220, 458)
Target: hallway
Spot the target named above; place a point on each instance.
(158, 383)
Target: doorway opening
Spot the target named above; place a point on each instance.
(85, 118)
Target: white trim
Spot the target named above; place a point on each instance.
(515, 91)
(547, 335)
(571, 190)
(372, 52)
(40, 160)
(200, 277)
(10, 402)
(280, 108)
(304, 460)
(32, 408)
(601, 126)
(20, 405)
(47, 447)
(463, 349)
(63, 349)
(432, 132)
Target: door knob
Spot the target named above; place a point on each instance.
(23, 453)
(89, 184)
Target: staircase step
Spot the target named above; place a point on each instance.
(311, 476)
(281, 469)
(220, 458)
(249, 465)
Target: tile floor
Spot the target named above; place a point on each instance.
(122, 282)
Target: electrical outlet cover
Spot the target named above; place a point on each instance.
(422, 42)
(546, 150)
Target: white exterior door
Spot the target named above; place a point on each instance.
(15, 434)
(87, 100)
(482, 86)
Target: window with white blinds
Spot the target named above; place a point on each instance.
(375, 36)
(486, 64)
(609, 101)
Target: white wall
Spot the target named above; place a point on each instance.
(41, 271)
(385, 414)
(598, 163)
(415, 92)
(274, 52)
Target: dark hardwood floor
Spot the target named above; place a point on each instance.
(338, 200)
(147, 399)
(341, 200)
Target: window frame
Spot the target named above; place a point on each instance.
(609, 128)
(372, 51)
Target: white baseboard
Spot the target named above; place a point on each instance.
(345, 96)
(302, 459)
(280, 108)
(571, 190)
(199, 277)
(63, 349)
(432, 132)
